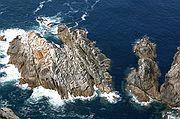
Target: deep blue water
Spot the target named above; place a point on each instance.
(115, 25)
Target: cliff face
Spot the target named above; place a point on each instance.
(72, 69)
(170, 90)
(143, 81)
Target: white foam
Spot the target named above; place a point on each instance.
(48, 24)
(10, 70)
(170, 115)
(83, 16)
(23, 86)
(112, 97)
(53, 97)
(41, 5)
(134, 99)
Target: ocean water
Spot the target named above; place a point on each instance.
(115, 25)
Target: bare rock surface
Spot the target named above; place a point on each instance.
(2, 38)
(143, 81)
(6, 113)
(73, 69)
(170, 90)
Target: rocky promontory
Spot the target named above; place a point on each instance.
(71, 69)
(143, 81)
(170, 90)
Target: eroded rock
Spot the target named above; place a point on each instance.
(6, 113)
(73, 69)
(2, 38)
(170, 90)
(143, 81)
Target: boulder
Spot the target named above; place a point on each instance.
(2, 38)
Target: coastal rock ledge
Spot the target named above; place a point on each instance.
(72, 69)
(143, 81)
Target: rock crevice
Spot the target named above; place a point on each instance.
(143, 81)
(73, 69)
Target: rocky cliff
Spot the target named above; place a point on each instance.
(143, 81)
(73, 69)
(170, 90)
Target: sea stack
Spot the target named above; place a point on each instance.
(170, 90)
(74, 69)
(142, 82)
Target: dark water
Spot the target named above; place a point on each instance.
(115, 25)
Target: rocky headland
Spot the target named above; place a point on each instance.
(72, 69)
(142, 81)
(170, 90)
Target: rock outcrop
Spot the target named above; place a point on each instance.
(6, 113)
(2, 38)
(170, 90)
(73, 69)
(143, 81)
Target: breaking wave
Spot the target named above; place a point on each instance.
(41, 5)
(8, 71)
(55, 99)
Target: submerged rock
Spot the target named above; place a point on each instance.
(143, 81)
(6, 113)
(170, 90)
(73, 69)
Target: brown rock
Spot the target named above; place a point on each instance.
(2, 38)
(143, 81)
(73, 69)
(170, 90)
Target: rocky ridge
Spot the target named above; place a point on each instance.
(143, 81)
(170, 90)
(73, 69)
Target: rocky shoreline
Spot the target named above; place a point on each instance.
(142, 81)
(73, 69)
(78, 68)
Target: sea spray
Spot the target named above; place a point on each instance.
(55, 99)
(134, 99)
(9, 69)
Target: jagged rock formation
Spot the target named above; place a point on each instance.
(170, 90)
(2, 38)
(6, 113)
(73, 69)
(143, 81)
